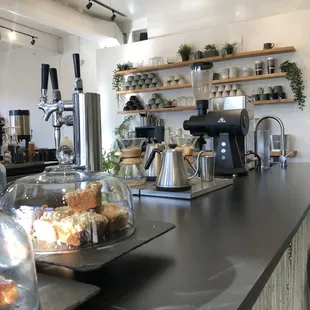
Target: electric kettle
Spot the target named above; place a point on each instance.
(153, 170)
(173, 175)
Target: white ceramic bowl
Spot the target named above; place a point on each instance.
(181, 81)
(221, 88)
(170, 78)
(177, 77)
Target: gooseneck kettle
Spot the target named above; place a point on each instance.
(173, 175)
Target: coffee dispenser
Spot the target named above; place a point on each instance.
(86, 118)
(20, 120)
(224, 126)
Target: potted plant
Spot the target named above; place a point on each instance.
(185, 51)
(229, 49)
(211, 51)
(294, 75)
(118, 80)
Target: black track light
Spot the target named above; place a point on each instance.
(33, 41)
(89, 5)
(113, 16)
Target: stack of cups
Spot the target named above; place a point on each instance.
(270, 65)
(233, 72)
(225, 74)
(258, 67)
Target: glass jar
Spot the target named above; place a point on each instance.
(67, 207)
(18, 279)
(131, 168)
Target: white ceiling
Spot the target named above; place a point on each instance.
(169, 14)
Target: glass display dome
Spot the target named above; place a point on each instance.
(18, 279)
(67, 207)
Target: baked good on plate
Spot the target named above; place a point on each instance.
(117, 216)
(84, 199)
(8, 292)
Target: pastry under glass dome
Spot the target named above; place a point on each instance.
(18, 279)
(67, 208)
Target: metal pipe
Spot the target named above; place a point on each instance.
(278, 120)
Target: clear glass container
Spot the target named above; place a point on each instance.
(18, 279)
(131, 168)
(202, 78)
(67, 207)
(7, 156)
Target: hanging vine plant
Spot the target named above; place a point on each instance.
(294, 75)
(118, 80)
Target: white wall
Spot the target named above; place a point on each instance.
(20, 81)
(283, 30)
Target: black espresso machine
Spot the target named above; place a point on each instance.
(227, 127)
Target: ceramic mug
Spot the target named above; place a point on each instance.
(232, 93)
(239, 92)
(214, 89)
(264, 96)
(218, 95)
(258, 90)
(273, 96)
(256, 97)
(278, 89)
(246, 71)
(221, 88)
(267, 90)
(281, 95)
(233, 72)
(235, 87)
(268, 46)
(228, 87)
(225, 94)
(224, 76)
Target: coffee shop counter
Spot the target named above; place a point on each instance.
(242, 247)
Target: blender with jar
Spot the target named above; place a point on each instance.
(131, 168)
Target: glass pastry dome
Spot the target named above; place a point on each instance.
(66, 207)
(18, 279)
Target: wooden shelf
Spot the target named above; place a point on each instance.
(189, 108)
(292, 153)
(276, 101)
(215, 82)
(251, 78)
(277, 50)
(153, 89)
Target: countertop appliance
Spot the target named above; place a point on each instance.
(86, 119)
(226, 126)
(153, 171)
(151, 132)
(20, 120)
(246, 143)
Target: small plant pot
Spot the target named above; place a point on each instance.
(185, 57)
(229, 51)
(211, 53)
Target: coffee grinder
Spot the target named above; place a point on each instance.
(224, 126)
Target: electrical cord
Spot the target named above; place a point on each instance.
(258, 166)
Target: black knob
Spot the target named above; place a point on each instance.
(54, 78)
(172, 146)
(186, 125)
(77, 67)
(44, 76)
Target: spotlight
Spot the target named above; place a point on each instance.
(89, 5)
(33, 41)
(12, 36)
(113, 16)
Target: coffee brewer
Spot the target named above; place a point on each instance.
(224, 126)
(86, 119)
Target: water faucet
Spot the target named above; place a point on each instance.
(282, 158)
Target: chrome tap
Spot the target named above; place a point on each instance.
(85, 118)
(282, 158)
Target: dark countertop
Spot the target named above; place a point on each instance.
(220, 255)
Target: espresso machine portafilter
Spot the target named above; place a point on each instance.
(85, 118)
(227, 127)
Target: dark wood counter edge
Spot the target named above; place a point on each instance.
(258, 287)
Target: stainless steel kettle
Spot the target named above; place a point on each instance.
(173, 175)
(153, 170)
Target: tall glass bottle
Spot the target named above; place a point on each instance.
(5, 152)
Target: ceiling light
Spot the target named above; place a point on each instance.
(113, 16)
(12, 36)
(33, 41)
(89, 5)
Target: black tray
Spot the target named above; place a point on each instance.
(94, 258)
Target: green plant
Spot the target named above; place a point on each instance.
(210, 47)
(184, 51)
(110, 163)
(294, 75)
(118, 80)
(122, 131)
(229, 48)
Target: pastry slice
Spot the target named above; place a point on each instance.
(8, 292)
(45, 230)
(85, 199)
